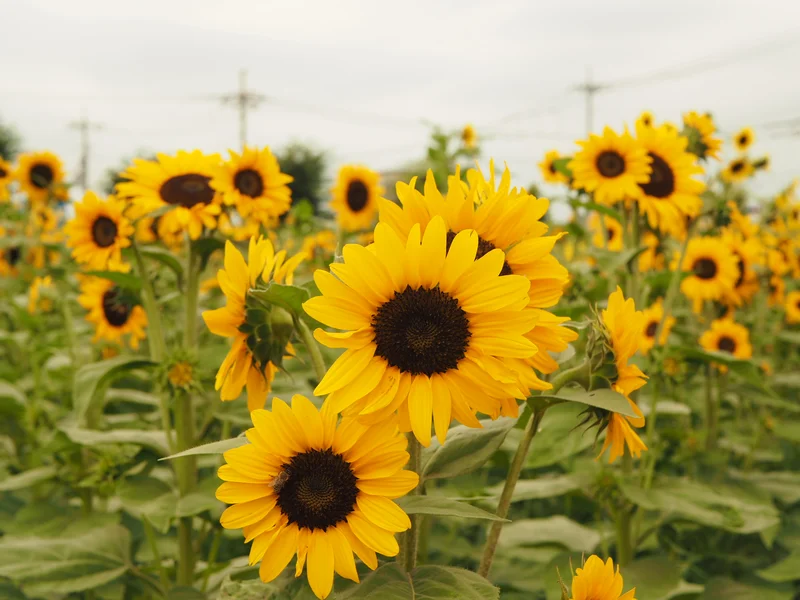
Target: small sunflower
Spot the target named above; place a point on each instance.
(748, 254)
(37, 300)
(355, 197)
(727, 336)
(793, 307)
(549, 171)
(738, 170)
(599, 581)
(305, 486)
(744, 139)
(700, 129)
(612, 239)
(671, 193)
(646, 119)
(182, 181)
(98, 232)
(248, 361)
(115, 312)
(712, 270)
(469, 137)
(252, 181)
(777, 291)
(39, 175)
(427, 330)
(613, 167)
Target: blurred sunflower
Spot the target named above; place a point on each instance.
(182, 181)
(307, 487)
(599, 581)
(725, 335)
(613, 236)
(793, 307)
(748, 254)
(427, 330)
(114, 311)
(651, 259)
(252, 181)
(700, 129)
(712, 270)
(548, 168)
(612, 167)
(652, 318)
(777, 291)
(744, 139)
(671, 193)
(98, 232)
(355, 197)
(469, 137)
(739, 169)
(646, 119)
(39, 174)
(37, 302)
(248, 361)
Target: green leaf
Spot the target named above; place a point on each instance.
(156, 440)
(429, 582)
(92, 380)
(288, 297)
(128, 281)
(606, 399)
(166, 258)
(27, 478)
(466, 449)
(444, 507)
(551, 530)
(212, 448)
(546, 486)
(720, 588)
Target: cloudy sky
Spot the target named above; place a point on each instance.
(364, 79)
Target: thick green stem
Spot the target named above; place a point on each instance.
(313, 348)
(411, 541)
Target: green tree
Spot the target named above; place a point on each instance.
(307, 166)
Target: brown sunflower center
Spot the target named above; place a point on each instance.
(104, 231)
(13, 255)
(662, 179)
(318, 489)
(610, 163)
(727, 344)
(484, 247)
(115, 308)
(422, 331)
(249, 183)
(737, 166)
(357, 195)
(42, 176)
(187, 190)
(705, 268)
(652, 326)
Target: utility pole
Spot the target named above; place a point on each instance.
(590, 89)
(84, 126)
(243, 100)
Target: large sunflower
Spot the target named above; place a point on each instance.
(652, 318)
(247, 362)
(182, 181)
(793, 307)
(624, 326)
(427, 330)
(612, 239)
(712, 270)
(700, 130)
(599, 581)
(748, 254)
(39, 174)
(744, 138)
(671, 193)
(612, 167)
(252, 181)
(506, 218)
(98, 232)
(115, 312)
(739, 169)
(307, 487)
(727, 336)
(355, 197)
(549, 171)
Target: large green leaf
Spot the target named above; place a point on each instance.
(91, 381)
(156, 440)
(546, 486)
(465, 450)
(429, 582)
(27, 478)
(606, 399)
(212, 448)
(443, 507)
(557, 530)
(560, 436)
(721, 588)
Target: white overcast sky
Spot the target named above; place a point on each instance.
(358, 77)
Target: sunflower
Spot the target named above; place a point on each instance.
(612, 239)
(700, 130)
(671, 193)
(548, 168)
(98, 232)
(599, 581)
(727, 336)
(712, 270)
(506, 218)
(739, 169)
(36, 301)
(793, 307)
(252, 181)
(777, 291)
(247, 362)
(652, 318)
(422, 322)
(646, 119)
(355, 197)
(468, 137)
(114, 311)
(748, 254)
(744, 139)
(624, 326)
(305, 486)
(613, 167)
(652, 259)
(39, 174)
(182, 181)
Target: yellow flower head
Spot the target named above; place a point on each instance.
(652, 318)
(549, 171)
(744, 139)
(712, 270)
(39, 174)
(355, 197)
(599, 581)
(113, 311)
(793, 307)
(307, 487)
(98, 232)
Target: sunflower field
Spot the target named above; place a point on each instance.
(424, 388)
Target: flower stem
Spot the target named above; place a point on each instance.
(313, 349)
(411, 540)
